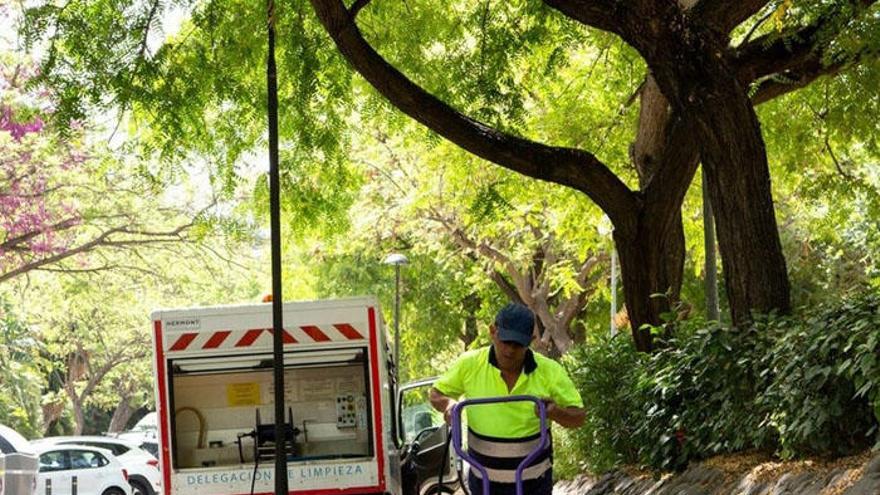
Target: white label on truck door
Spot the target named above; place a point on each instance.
(300, 476)
(184, 324)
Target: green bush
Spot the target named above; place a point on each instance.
(606, 372)
(802, 385)
(823, 397)
(700, 393)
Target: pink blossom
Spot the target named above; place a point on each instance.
(18, 130)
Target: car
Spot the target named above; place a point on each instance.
(143, 468)
(80, 469)
(144, 433)
(18, 464)
(150, 446)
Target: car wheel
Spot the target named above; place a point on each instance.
(113, 491)
(140, 488)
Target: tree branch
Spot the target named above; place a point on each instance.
(677, 165)
(799, 50)
(506, 286)
(569, 167)
(774, 87)
(357, 6)
(601, 14)
(104, 239)
(724, 15)
(11, 243)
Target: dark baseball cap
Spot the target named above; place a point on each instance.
(515, 323)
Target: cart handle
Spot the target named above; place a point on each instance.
(456, 435)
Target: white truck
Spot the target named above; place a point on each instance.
(215, 404)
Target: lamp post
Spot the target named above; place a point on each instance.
(396, 259)
(605, 227)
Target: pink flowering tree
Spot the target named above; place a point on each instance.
(65, 200)
(35, 226)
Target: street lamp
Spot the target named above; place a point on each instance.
(396, 259)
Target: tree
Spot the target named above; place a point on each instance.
(93, 326)
(19, 372)
(697, 105)
(707, 69)
(62, 198)
(530, 242)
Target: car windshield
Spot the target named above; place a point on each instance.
(152, 448)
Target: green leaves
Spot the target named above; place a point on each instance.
(803, 385)
(19, 372)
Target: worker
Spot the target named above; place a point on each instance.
(501, 435)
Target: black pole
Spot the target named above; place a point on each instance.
(275, 227)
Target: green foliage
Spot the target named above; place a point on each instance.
(606, 373)
(433, 300)
(824, 396)
(19, 373)
(803, 385)
(699, 395)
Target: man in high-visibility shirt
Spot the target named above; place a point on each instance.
(501, 435)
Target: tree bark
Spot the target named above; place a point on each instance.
(650, 152)
(652, 254)
(121, 414)
(701, 82)
(710, 267)
(738, 176)
(651, 265)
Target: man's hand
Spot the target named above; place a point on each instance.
(569, 417)
(442, 404)
(447, 414)
(549, 407)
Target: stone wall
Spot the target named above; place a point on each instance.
(746, 474)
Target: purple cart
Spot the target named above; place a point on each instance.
(456, 436)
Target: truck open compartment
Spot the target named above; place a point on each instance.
(224, 408)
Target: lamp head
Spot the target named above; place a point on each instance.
(396, 259)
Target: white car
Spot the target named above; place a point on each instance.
(79, 469)
(144, 434)
(143, 468)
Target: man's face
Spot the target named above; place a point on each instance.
(510, 355)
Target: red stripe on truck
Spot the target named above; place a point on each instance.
(162, 410)
(315, 333)
(216, 339)
(285, 336)
(377, 402)
(183, 342)
(349, 331)
(249, 338)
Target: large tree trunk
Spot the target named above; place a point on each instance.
(651, 265)
(701, 82)
(652, 257)
(738, 177)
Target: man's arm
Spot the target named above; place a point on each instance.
(569, 417)
(443, 404)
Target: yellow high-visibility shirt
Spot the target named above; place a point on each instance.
(475, 375)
